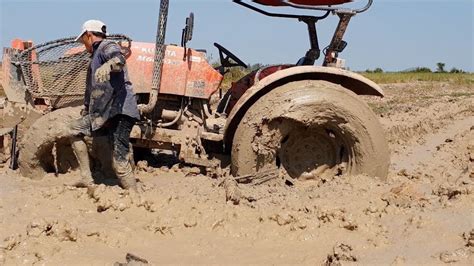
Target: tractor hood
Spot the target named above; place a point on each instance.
(303, 2)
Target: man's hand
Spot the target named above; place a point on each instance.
(102, 74)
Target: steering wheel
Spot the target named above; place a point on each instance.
(225, 55)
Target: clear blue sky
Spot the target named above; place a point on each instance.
(394, 34)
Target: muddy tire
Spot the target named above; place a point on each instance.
(310, 130)
(46, 148)
(36, 147)
(5, 149)
(3, 154)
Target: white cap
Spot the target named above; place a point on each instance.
(92, 26)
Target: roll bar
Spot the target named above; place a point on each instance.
(299, 6)
(337, 44)
(278, 15)
(329, 8)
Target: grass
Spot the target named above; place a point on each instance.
(234, 75)
(465, 79)
(380, 108)
(460, 94)
(400, 77)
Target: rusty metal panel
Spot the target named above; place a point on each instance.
(140, 66)
(202, 79)
(175, 72)
(12, 82)
(189, 75)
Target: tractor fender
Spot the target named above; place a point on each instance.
(347, 79)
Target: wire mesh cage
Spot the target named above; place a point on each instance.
(57, 70)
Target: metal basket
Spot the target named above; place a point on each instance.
(57, 70)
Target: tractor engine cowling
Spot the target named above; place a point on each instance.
(183, 74)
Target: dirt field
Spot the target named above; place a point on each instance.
(423, 214)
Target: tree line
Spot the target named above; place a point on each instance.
(440, 68)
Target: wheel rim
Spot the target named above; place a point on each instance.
(315, 152)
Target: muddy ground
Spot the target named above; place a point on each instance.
(423, 214)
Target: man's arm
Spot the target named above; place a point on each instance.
(115, 61)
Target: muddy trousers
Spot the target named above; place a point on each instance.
(119, 137)
(118, 131)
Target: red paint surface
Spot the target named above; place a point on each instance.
(190, 76)
(240, 87)
(303, 2)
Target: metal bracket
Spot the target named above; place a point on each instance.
(314, 52)
(337, 43)
(13, 149)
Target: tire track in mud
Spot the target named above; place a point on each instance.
(411, 111)
(419, 154)
(413, 124)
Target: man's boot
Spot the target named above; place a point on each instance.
(82, 155)
(124, 172)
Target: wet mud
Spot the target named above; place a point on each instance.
(422, 214)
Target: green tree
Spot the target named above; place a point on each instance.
(422, 70)
(255, 67)
(440, 67)
(455, 70)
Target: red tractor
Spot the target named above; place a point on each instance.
(304, 121)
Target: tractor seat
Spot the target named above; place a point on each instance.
(304, 61)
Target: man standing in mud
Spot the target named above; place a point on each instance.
(110, 106)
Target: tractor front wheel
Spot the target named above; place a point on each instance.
(45, 140)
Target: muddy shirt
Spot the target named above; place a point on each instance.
(108, 99)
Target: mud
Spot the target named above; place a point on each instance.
(422, 214)
(46, 146)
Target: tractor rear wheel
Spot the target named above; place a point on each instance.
(311, 130)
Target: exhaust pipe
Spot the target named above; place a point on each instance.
(158, 60)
